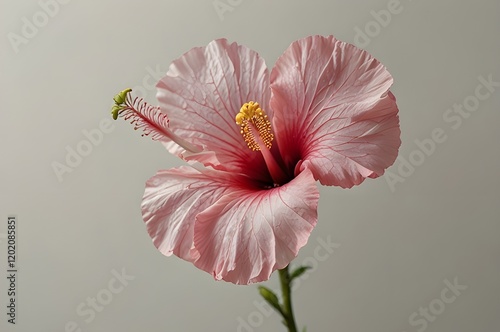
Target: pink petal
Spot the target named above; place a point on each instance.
(248, 234)
(172, 200)
(203, 91)
(333, 110)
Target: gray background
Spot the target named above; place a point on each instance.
(395, 245)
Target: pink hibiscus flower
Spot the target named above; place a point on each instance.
(248, 201)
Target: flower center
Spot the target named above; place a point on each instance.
(253, 121)
(256, 131)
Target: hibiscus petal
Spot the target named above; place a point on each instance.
(172, 199)
(248, 234)
(333, 110)
(203, 91)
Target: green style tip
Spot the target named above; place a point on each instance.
(116, 110)
(121, 97)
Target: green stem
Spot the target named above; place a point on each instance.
(287, 300)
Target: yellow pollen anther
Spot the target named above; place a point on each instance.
(253, 120)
